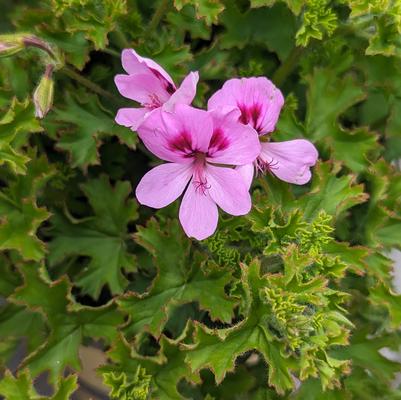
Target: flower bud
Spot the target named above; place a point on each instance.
(11, 44)
(43, 95)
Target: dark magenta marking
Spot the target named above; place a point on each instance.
(250, 115)
(218, 142)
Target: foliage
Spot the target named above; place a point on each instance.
(294, 300)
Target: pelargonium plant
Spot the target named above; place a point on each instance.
(200, 199)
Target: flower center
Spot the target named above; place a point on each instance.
(154, 102)
(263, 166)
(200, 180)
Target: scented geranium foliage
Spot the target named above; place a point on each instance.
(204, 193)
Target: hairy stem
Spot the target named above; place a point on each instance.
(158, 15)
(263, 184)
(287, 66)
(89, 84)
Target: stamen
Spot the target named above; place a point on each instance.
(263, 166)
(202, 186)
(200, 181)
(153, 103)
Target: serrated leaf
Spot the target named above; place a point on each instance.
(218, 349)
(103, 237)
(15, 125)
(96, 18)
(384, 296)
(181, 279)
(166, 369)
(83, 125)
(262, 26)
(12, 316)
(365, 353)
(68, 321)
(294, 5)
(339, 95)
(20, 216)
(331, 193)
(207, 9)
(21, 387)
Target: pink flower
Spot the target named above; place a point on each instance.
(260, 103)
(196, 144)
(151, 86)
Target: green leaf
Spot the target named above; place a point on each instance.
(331, 193)
(207, 9)
(15, 125)
(12, 316)
(102, 237)
(323, 111)
(21, 387)
(180, 279)
(69, 322)
(268, 325)
(20, 215)
(262, 26)
(50, 28)
(85, 123)
(353, 147)
(384, 296)
(318, 20)
(96, 18)
(365, 353)
(166, 369)
(294, 5)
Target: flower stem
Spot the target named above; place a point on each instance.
(287, 66)
(89, 84)
(158, 15)
(264, 184)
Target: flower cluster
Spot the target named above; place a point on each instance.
(211, 155)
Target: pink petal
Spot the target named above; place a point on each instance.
(246, 171)
(258, 99)
(177, 136)
(131, 117)
(228, 190)
(134, 64)
(232, 142)
(198, 213)
(163, 184)
(143, 88)
(185, 93)
(157, 137)
(291, 160)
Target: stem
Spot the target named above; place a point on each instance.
(121, 38)
(112, 52)
(89, 84)
(33, 41)
(49, 70)
(287, 66)
(264, 184)
(158, 15)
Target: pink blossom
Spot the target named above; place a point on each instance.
(260, 103)
(199, 148)
(150, 85)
